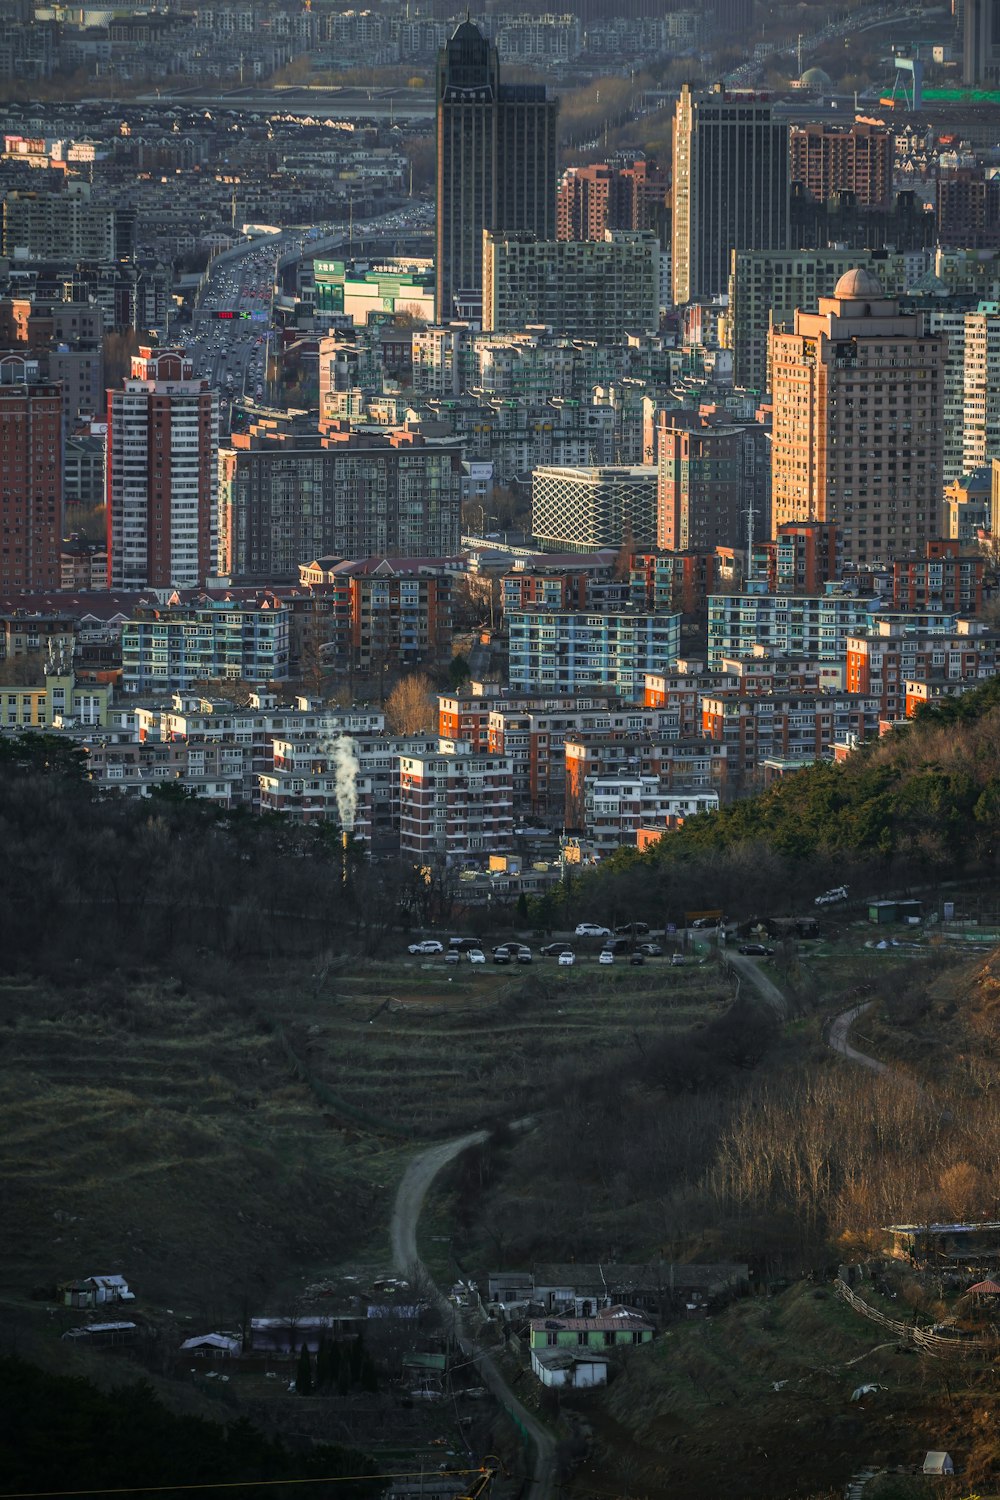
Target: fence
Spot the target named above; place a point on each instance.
(924, 1339)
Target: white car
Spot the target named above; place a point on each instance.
(477, 956)
(605, 957)
(838, 893)
(429, 945)
(590, 929)
(567, 960)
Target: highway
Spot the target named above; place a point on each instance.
(231, 351)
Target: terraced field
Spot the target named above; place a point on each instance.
(212, 1146)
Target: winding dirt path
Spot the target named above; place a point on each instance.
(410, 1195)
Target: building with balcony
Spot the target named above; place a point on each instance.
(455, 803)
(171, 648)
(562, 651)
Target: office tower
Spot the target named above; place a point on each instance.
(857, 395)
(854, 158)
(162, 474)
(981, 44)
(730, 186)
(608, 195)
(591, 508)
(496, 163)
(31, 462)
(584, 289)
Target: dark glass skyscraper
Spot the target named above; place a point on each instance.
(496, 162)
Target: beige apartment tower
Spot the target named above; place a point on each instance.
(857, 441)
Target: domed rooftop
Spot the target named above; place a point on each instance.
(816, 78)
(860, 284)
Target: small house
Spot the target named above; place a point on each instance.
(423, 1374)
(214, 1345)
(580, 1369)
(614, 1328)
(938, 1463)
(95, 1291)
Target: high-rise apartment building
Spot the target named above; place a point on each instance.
(766, 286)
(699, 488)
(31, 463)
(162, 474)
(854, 158)
(286, 497)
(981, 387)
(496, 162)
(857, 391)
(730, 186)
(587, 289)
(608, 195)
(67, 225)
(968, 208)
(946, 316)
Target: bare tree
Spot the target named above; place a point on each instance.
(409, 708)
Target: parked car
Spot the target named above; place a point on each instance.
(838, 893)
(553, 950)
(630, 929)
(604, 957)
(452, 956)
(510, 948)
(429, 945)
(462, 944)
(637, 959)
(476, 956)
(649, 950)
(756, 950)
(705, 922)
(676, 958)
(617, 945)
(523, 955)
(591, 929)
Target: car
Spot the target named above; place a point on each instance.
(460, 944)
(649, 950)
(705, 922)
(452, 956)
(523, 955)
(553, 950)
(630, 929)
(567, 958)
(838, 893)
(605, 957)
(429, 945)
(591, 929)
(502, 956)
(756, 950)
(476, 956)
(676, 958)
(637, 959)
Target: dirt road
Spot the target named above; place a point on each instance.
(410, 1196)
(758, 980)
(840, 1031)
(841, 1027)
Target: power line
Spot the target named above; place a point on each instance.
(230, 1484)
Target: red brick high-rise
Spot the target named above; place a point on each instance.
(830, 159)
(608, 195)
(31, 468)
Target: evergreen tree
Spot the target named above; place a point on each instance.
(323, 1363)
(303, 1375)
